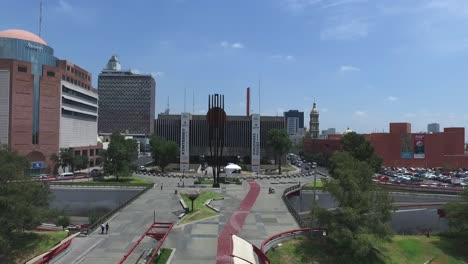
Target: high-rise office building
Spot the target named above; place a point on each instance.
(41, 103)
(126, 101)
(294, 121)
(330, 131)
(433, 128)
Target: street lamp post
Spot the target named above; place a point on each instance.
(314, 191)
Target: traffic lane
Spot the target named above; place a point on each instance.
(417, 220)
(325, 200)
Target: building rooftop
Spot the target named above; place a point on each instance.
(22, 34)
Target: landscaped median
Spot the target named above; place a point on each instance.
(31, 243)
(200, 211)
(401, 249)
(163, 257)
(310, 185)
(110, 181)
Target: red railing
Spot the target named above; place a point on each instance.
(47, 258)
(151, 231)
(289, 232)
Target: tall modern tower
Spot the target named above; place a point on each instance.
(433, 128)
(294, 121)
(314, 122)
(126, 101)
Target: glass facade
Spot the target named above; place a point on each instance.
(38, 55)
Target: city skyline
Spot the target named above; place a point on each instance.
(366, 64)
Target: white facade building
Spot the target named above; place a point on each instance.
(79, 116)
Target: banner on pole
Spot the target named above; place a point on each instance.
(255, 148)
(184, 142)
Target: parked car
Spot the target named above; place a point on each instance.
(142, 169)
(66, 175)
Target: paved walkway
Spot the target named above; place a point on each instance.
(247, 210)
(236, 222)
(126, 228)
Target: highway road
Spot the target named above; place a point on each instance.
(405, 220)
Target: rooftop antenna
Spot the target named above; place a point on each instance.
(259, 106)
(167, 106)
(185, 96)
(40, 18)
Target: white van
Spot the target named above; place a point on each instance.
(67, 175)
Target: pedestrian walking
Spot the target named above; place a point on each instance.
(107, 228)
(102, 229)
(183, 184)
(161, 186)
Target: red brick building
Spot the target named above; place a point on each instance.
(402, 148)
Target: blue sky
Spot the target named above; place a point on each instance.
(366, 63)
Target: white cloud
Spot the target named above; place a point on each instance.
(360, 113)
(392, 98)
(236, 45)
(346, 30)
(224, 44)
(65, 6)
(282, 57)
(158, 74)
(348, 68)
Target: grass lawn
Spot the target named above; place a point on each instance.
(29, 244)
(205, 181)
(162, 259)
(403, 249)
(419, 249)
(112, 181)
(200, 211)
(310, 185)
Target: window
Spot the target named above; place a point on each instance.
(68, 79)
(22, 68)
(63, 77)
(91, 152)
(68, 67)
(50, 73)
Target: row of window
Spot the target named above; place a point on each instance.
(75, 81)
(78, 115)
(79, 105)
(79, 73)
(84, 152)
(77, 94)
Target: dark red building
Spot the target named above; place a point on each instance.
(402, 148)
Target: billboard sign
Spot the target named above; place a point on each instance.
(37, 165)
(419, 147)
(255, 148)
(406, 147)
(184, 142)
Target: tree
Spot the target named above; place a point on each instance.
(163, 152)
(279, 141)
(362, 213)
(361, 149)
(80, 162)
(119, 155)
(457, 215)
(23, 203)
(63, 221)
(63, 159)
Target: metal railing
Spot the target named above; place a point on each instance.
(105, 217)
(294, 213)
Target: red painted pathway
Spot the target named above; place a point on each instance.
(235, 224)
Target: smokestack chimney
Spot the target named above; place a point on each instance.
(248, 102)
